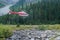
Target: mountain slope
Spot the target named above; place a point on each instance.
(24, 3)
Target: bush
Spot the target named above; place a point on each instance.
(5, 33)
(18, 25)
(41, 27)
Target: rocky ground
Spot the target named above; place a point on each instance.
(35, 35)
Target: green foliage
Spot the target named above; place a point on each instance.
(18, 25)
(4, 33)
(1, 5)
(41, 27)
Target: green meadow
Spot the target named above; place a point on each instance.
(24, 27)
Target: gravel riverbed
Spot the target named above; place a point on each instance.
(35, 35)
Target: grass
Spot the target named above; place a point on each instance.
(49, 27)
(13, 27)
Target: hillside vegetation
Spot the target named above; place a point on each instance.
(44, 12)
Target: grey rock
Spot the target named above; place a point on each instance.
(57, 38)
(33, 35)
